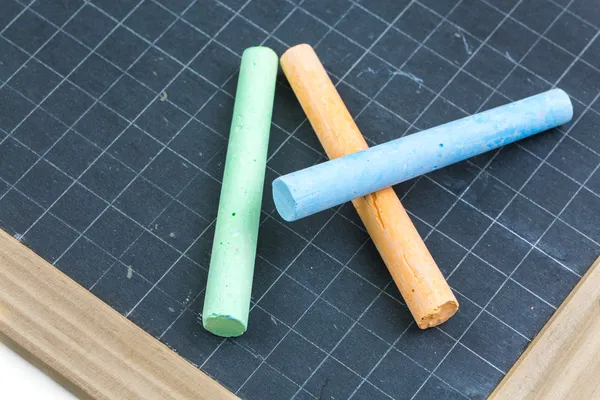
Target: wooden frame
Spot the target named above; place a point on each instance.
(83, 343)
(563, 361)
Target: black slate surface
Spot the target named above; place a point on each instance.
(114, 117)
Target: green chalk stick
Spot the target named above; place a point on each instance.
(227, 299)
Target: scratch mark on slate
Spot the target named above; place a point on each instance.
(323, 388)
(369, 70)
(507, 54)
(411, 77)
(467, 47)
(462, 36)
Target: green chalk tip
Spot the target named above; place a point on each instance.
(262, 52)
(223, 325)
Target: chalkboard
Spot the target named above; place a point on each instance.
(114, 118)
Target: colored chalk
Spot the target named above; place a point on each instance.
(227, 299)
(414, 271)
(329, 184)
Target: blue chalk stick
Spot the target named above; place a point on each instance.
(334, 182)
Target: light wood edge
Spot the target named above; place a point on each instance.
(84, 344)
(531, 369)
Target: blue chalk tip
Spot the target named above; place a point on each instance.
(284, 201)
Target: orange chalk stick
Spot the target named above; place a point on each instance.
(414, 271)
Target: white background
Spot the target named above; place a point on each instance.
(21, 380)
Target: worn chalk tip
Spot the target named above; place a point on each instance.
(296, 48)
(261, 51)
(284, 201)
(438, 316)
(223, 325)
(563, 107)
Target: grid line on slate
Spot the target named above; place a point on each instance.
(23, 11)
(79, 135)
(237, 11)
(141, 38)
(125, 72)
(444, 57)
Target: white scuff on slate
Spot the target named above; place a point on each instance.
(410, 76)
(368, 70)
(460, 34)
(467, 47)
